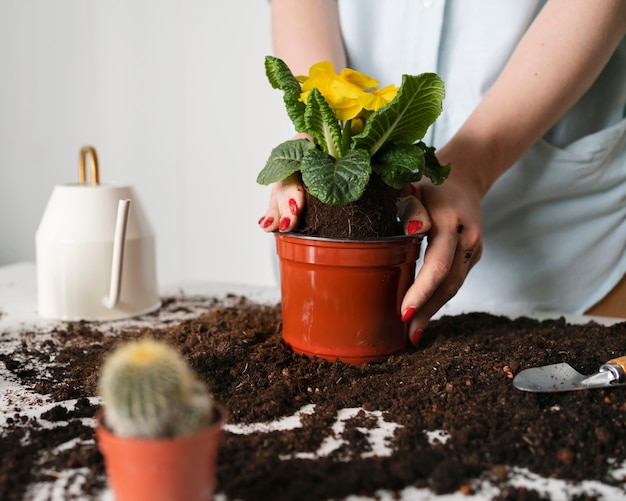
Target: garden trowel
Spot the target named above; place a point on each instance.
(563, 377)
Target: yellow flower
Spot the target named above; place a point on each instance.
(347, 93)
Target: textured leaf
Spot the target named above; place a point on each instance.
(399, 165)
(321, 122)
(407, 118)
(285, 159)
(432, 169)
(281, 77)
(336, 182)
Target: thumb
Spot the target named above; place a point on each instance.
(413, 215)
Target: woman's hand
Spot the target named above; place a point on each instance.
(412, 213)
(286, 202)
(454, 247)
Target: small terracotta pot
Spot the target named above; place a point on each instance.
(162, 469)
(341, 298)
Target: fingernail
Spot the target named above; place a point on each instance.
(293, 206)
(268, 221)
(414, 227)
(284, 224)
(408, 313)
(261, 220)
(412, 189)
(416, 336)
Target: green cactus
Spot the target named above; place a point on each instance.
(148, 390)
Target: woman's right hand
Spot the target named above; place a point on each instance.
(286, 202)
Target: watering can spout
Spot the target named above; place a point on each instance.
(119, 239)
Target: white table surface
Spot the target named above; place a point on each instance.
(18, 312)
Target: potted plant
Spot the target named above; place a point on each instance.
(341, 289)
(159, 428)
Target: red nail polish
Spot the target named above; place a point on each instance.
(261, 220)
(416, 336)
(412, 189)
(408, 313)
(414, 227)
(268, 221)
(284, 224)
(293, 206)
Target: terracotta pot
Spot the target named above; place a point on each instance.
(341, 298)
(162, 469)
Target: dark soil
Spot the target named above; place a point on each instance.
(374, 215)
(457, 380)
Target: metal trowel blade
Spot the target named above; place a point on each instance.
(560, 377)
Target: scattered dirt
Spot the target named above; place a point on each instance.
(458, 380)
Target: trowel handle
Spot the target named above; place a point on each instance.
(618, 367)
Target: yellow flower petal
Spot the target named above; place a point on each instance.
(349, 112)
(378, 98)
(359, 79)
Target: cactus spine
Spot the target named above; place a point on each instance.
(148, 390)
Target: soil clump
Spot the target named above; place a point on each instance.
(374, 215)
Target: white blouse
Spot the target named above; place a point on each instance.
(555, 223)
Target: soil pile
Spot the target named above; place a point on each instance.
(457, 382)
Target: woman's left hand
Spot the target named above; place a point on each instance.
(454, 246)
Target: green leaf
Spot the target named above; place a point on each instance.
(281, 77)
(432, 169)
(336, 182)
(285, 159)
(399, 165)
(407, 118)
(321, 122)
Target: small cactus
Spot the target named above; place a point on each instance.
(148, 390)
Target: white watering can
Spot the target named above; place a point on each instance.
(95, 252)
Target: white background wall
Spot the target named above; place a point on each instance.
(172, 94)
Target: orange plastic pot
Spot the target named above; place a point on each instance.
(341, 299)
(162, 469)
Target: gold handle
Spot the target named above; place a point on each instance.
(93, 162)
